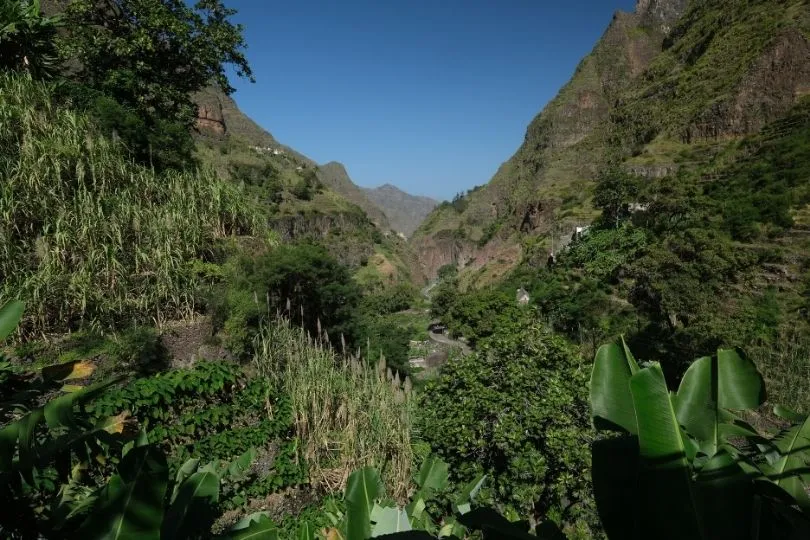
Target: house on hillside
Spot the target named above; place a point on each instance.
(522, 297)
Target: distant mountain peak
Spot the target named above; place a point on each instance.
(405, 211)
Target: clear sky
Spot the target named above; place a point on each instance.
(429, 95)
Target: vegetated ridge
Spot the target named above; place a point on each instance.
(307, 200)
(405, 211)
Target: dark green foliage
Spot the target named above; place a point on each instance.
(615, 191)
(773, 177)
(151, 56)
(448, 271)
(397, 298)
(212, 412)
(384, 338)
(27, 38)
(685, 464)
(443, 296)
(300, 281)
(477, 315)
(516, 410)
(156, 142)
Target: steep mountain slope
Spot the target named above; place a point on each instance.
(334, 175)
(661, 81)
(305, 201)
(404, 211)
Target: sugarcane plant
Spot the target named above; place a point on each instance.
(684, 464)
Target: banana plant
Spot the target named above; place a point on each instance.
(685, 465)
(137, 502)
(366, 517)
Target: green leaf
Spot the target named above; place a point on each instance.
(305, 532)
(10, 315)
(256, 526)
(725, 495)
(788, 414)
(433, 474)
(196, 500)
(362, 489)
(240, 466)
(388, 520)
(665, 469)
(468, 494)
(790, 469)
(130, 507)
(8, 445)
(187, 469)
(611, 401)
(710, 388)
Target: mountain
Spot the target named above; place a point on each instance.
(668, 79)
(307, 201)
(405, 211)
(334, 175)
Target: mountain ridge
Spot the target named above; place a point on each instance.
(405, 211)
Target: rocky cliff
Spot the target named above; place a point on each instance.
(671, 74)
(404, 211)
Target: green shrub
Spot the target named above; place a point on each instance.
(302, 282)
(516, 410)
(27, 39)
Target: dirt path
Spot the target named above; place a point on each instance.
(444, 340)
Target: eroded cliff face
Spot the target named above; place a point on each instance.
(210, 120)
(771, 87)
(554, 161)
(343, 235)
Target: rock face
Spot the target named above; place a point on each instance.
(210, 120)
(404, 211)
(218, 115)
(770, 88)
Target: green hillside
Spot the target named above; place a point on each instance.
(206, 335)
(726, 70)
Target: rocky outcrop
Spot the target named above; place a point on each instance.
(210, 120)
(340, 234)
(771, 87)
(320, 225)
(661, 13)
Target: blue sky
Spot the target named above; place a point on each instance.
(431, 96)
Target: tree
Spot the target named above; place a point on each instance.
(614, 192)
(151, 55)
(302, 282)
(516, 411)
(477, 315)
(27, 38)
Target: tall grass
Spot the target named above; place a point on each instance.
(347, 414)
(87, 237)
(785, 365)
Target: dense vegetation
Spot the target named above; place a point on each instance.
(217, 345)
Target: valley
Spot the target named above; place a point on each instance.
(204, 333)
